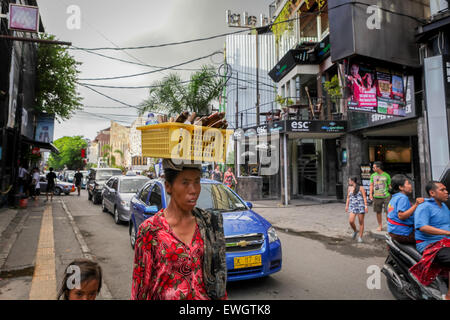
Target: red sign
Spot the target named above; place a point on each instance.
(36, 150)
(23, 18)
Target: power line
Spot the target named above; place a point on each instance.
(302, 15)
(111, 98)
(150, 72)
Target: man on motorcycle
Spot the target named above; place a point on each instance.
(432, 225)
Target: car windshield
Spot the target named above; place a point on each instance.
(131, 185)
(217, 197)
(105, 174)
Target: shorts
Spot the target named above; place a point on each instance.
(379, 202)
(50, 188)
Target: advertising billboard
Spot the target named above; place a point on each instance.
(375, 90)
(44, 128)
(23, 18)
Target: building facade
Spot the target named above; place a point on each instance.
(358, 83)
(18, 118)
(120, 144)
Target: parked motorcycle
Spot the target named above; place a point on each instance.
(402, 284)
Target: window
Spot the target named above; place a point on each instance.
(144, 194)
(115, 183)
(109, 183)
(155, 197)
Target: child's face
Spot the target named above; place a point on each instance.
(88, 291)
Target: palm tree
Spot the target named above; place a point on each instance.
(172, 96)
(106, 150)
(121, 156)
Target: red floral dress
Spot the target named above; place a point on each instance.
(164, 267)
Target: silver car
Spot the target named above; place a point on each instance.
(117, 193)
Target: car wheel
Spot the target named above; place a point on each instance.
(57, 191)
(116, 216)
(132, 235)
(103, 206)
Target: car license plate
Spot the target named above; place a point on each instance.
(247, 262)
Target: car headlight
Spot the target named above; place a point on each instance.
(98, 187)
(125, 204)
(272, 233)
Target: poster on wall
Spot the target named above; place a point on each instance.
(44, 128)
(363, 92)
(375, 90)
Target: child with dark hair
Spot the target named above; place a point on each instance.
(82, 281)
(356, 206)
(400, 212)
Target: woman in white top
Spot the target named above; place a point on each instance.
(35, 186)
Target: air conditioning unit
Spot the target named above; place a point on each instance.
(438, 6)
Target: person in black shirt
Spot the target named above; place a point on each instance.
(78, 177)
(217, 174)
(51, 181)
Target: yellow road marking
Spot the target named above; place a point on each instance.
(43, 285)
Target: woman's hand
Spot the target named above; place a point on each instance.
(419, 201)
(346, 208)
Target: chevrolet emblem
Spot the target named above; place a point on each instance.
(242, 243)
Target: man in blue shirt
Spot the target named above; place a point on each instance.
(432, 224)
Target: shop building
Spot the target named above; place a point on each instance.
(329, 44)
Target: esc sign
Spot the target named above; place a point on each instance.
(23, 18)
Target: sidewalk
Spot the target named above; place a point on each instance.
(307, 216)
(36, 245)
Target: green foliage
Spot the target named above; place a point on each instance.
(70, 153)
(171, 96)
(279, 27)
(333, 88)
(56, 81)
(284, 102)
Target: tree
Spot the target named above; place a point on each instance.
(172, 96)
(56, 81)
(70, 153)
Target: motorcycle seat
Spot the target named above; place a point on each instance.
(410, 249)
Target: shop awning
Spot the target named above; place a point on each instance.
(44, 146)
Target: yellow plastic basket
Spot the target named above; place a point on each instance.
(174, 140)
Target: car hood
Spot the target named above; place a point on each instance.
(242, 222)
(126, 196)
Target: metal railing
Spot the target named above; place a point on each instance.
(324, 108)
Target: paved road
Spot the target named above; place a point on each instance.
(314, 267)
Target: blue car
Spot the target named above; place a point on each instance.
(253, 247)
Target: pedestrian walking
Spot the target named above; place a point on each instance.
(82, 281)
(22, 177)
(356, 206)
(35, 187)
(78, 177)
(51, 177)
(217, 174)
(400, 212)
(180, 251)
(228, 178)
(380, 183)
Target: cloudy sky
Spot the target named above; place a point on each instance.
(119, 24)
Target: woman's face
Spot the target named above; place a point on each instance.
(351, 182)
(185, 190)
(355, 69)
(407, 187)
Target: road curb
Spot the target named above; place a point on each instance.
(105, 292)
